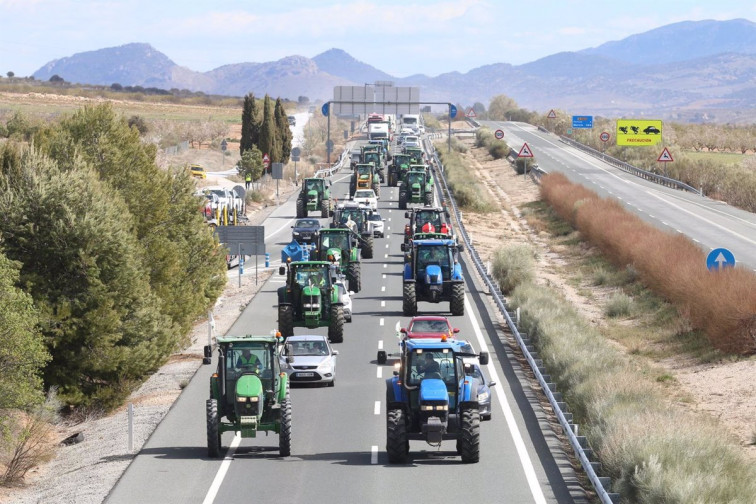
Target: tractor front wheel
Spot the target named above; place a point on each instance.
(457, 303)
(403, 200)
(286, 320)
(324, 209)
(468, 444)
(213, 428)
(284, 435)
(409, 300)
(354, 276)
(336, 324)
(397, 444)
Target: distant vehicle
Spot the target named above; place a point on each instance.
(309, 359)
(429, 326)
(305, 230)
(472, 368)
(366, 197)
(651, 130)
(411, 141)
(292, 121)
(375, 225)
(198, 171)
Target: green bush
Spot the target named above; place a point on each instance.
(468, 191)
(512, 266)
(618, 305)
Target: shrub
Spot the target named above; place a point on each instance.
(468, 191)
(618, 305)
(513, 266)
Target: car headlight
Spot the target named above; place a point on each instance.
(296, 233)
(483, 396)
(251, 399)
(313, 306)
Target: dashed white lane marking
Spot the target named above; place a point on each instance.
(374, 455)
(380, 344)
(381, 321)
(379, 372)
(384, 276)
(383, 288)
(383, 304)
(387, 245)
(213, 491)
(522, 451)
(385, 265)
(377, 408)
(385, 256)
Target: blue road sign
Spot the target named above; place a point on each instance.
(582, 121)
(324, 109)
(452, 111)
(720, 258)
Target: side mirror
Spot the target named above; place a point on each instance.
(403, 330)
(491, 384)
(335, 352)
(208, 356)
(406, 215)
(403, 247)
(483, 358)
(455, 330)
(282, 270)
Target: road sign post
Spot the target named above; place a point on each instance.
(224, 146)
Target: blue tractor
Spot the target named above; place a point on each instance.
(433, 397)
(432, 273)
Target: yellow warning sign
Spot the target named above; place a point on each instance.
(639, 131)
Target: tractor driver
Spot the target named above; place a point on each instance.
(247, 361)
(429, 365)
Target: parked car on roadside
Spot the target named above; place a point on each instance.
(198, 171)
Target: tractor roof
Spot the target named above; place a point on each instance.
(334, 231)
(455, 345)
(249, 338)
(309, 263)
(429, 243)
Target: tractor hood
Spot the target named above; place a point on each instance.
(312, 194)
(433, 274)
(311, 290)
(433, 389)
(248, 385)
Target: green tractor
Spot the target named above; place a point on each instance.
(310, 299)
(398, 168)
(375, 154)
(337, 246)
(248, 392)
(315, 195)
(415, 153)
(357, 214)
(417, 187)
(364, 176)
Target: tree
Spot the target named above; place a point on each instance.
(283, 131)
(56, 79)
(250, 134)
(251, 162)
(138, 122)
(303, 100)
(499, 107)
(480, 110)
(11, 75)
(267, 141)
(116, 87)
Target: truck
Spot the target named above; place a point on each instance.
(379, 131)
(411, 121)
(433, 396)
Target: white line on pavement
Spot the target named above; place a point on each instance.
(380, 344)
(383, 304)
(377, 408)
(381, 321)
(379, 371)
(383, 288)
(373, 454)
(522, 451)
(213, 491)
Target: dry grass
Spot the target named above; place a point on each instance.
(722, 304)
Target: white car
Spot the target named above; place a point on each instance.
(366, 197)
(375, 225)
(411, 141)
(312, 359)
(346, 298)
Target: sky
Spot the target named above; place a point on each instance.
(399, 37)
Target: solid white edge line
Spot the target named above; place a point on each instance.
(377, 408)
(373, 454)
(522, 451)
(213, 491)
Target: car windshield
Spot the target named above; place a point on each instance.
(307, 223)
(374, 217)
(364, 194)
(308, 348)
(436, 326)
(221, 193)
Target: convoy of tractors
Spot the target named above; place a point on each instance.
(433, 393)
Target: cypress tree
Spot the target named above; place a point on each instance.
(250, 134)
(267, 143)
(284, 132)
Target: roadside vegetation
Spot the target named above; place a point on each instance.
(469, 192)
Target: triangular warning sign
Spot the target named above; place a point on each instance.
(552, 114)
(665, 156)
(525, 151)
(470, 112)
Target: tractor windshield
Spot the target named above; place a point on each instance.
(363, 171)
(416, 178)
(311, 185)
(335, 240)
(429, 364)
(434, 254)
(310, 276)
(248, 358)
(424, 217)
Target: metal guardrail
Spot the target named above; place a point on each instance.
(633, 170)
(327, 172)
(579, 443)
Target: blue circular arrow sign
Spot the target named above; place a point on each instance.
(720, 258)
(452, 111)
(324, 109)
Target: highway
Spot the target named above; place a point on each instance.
(711, 224)
(339, 433)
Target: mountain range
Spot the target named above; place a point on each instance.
(690, 71)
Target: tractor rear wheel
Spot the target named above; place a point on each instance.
(284, 434)
(428, 198)
(367, 248)
(392, 179)
(403, 200)
(336, 324)
(301, 210)
(213, 428)
(354, 276)
(324, 209)
(468, 444)
(409, 300)
(286, 320)
(397, 444)
(457, 303)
